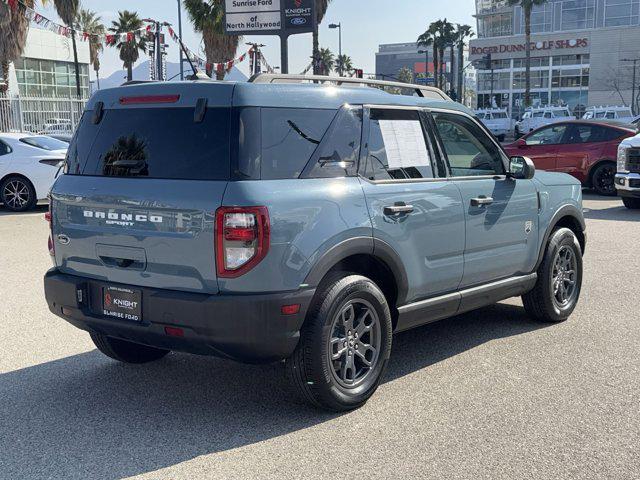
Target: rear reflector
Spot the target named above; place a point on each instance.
(290, 309)
(149, 99)
(174, 331)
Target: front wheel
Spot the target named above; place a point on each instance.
(602, 179)
(18, 194)
(631, 202)
(557, 289)
(344, 345)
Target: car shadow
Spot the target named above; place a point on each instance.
(618, 213)
(85, 416)
(38, 210)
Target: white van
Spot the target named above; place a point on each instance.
(616, 112)
(538, 117)
(497, 120)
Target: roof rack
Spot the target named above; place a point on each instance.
(419, 90)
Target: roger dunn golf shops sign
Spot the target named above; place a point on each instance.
(269, 17)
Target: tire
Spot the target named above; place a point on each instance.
(631, 203)
(17, 194)
(127, 352)
(602, 179)
(563, 254)
(345, 305)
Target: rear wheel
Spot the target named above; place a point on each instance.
(344, 345)
(630, 202)
(602, 179)
(17, 194)
(127, 352)
(557, 289)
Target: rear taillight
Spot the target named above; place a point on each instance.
(48, 218)
(242, 239)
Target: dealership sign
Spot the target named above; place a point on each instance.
(534, 46)
(269, 17)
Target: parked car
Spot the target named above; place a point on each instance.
(298, 222)
(58, 129)
(608, 112)
(538, 117)
(627, 180)
(583, 148)
(497, 120)
(28, 167)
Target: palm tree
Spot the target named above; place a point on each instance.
(321, 9)
(527, 6)
(430, 37)
(405, 75)
(445, 34)
(327, 61)
(68, 11)
(344, 64)
(463, 32)
(207, 17)
(425, 41)
(129, 49)
(89, 21)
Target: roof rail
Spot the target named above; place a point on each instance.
(419, 90)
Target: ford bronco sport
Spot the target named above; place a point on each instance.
(270, 220)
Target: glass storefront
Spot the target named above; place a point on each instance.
(48, 78)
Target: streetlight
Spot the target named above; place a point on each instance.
(339, 27)
(633, 83)
(180, 33)
(426, 64)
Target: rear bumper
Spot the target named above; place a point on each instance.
(628, 184)
(249, 328)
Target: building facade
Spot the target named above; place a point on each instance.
(46, 68)
(582, 53)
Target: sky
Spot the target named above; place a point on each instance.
(365, 25)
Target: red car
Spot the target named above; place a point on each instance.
(585, 149)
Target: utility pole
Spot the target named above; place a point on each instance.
(180, 33)
(426, 64)
(256, 57)
(159, 52)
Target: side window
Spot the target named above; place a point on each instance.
(547, 115)
(397, 146)
(547, 136)
(607, 134)
(583, 134)
(339, 151)
(4, 148)
(289, 138)
(469, 149)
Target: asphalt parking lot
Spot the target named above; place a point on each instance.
(489, 394)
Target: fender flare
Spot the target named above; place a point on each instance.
(362, 246)
(562, 212)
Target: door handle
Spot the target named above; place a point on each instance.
(398, 209)
(481, 200)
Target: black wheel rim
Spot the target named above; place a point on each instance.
(354, 343)
(604, 179)
(564, 279)
(16, 194)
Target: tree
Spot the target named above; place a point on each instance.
(445, 32)
(327, 61)
(129, 49)
(430, 38)
(321, 9)
(207, 17)
(405, 75)
(344, 64)
(527, 6)
(68, 11)
(425, 41)
(463, 32)
(90, 22)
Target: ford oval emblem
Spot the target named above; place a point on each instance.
(63, 239)
(298, 21)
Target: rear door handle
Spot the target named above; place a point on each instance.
(481, 200)
(397, 209)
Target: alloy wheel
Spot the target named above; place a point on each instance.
(15, 194)
(354, 343)
(564, 277)
(604, 180)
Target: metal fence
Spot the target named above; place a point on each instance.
(40, 114)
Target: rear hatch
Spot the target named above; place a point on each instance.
(145, 174)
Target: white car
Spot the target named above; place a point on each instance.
(538, 117)
(497, 120)
(617, 112)
(29, 164)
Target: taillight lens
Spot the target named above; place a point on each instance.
(242, 239)
(48, 218)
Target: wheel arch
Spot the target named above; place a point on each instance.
(569, 217)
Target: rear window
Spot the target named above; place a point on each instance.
(45, 143)
(153, 143)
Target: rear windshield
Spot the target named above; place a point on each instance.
(45, 143)
(153, 143)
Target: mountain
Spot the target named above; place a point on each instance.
(141, 72)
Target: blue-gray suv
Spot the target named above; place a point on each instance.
(280, 220)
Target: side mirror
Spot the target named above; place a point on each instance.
(521, 142)
(522, 168)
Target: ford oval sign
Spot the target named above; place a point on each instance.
(298, 21)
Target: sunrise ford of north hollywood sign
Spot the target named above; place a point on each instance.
(269, 17)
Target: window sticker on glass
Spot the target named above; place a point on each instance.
(404, 143)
